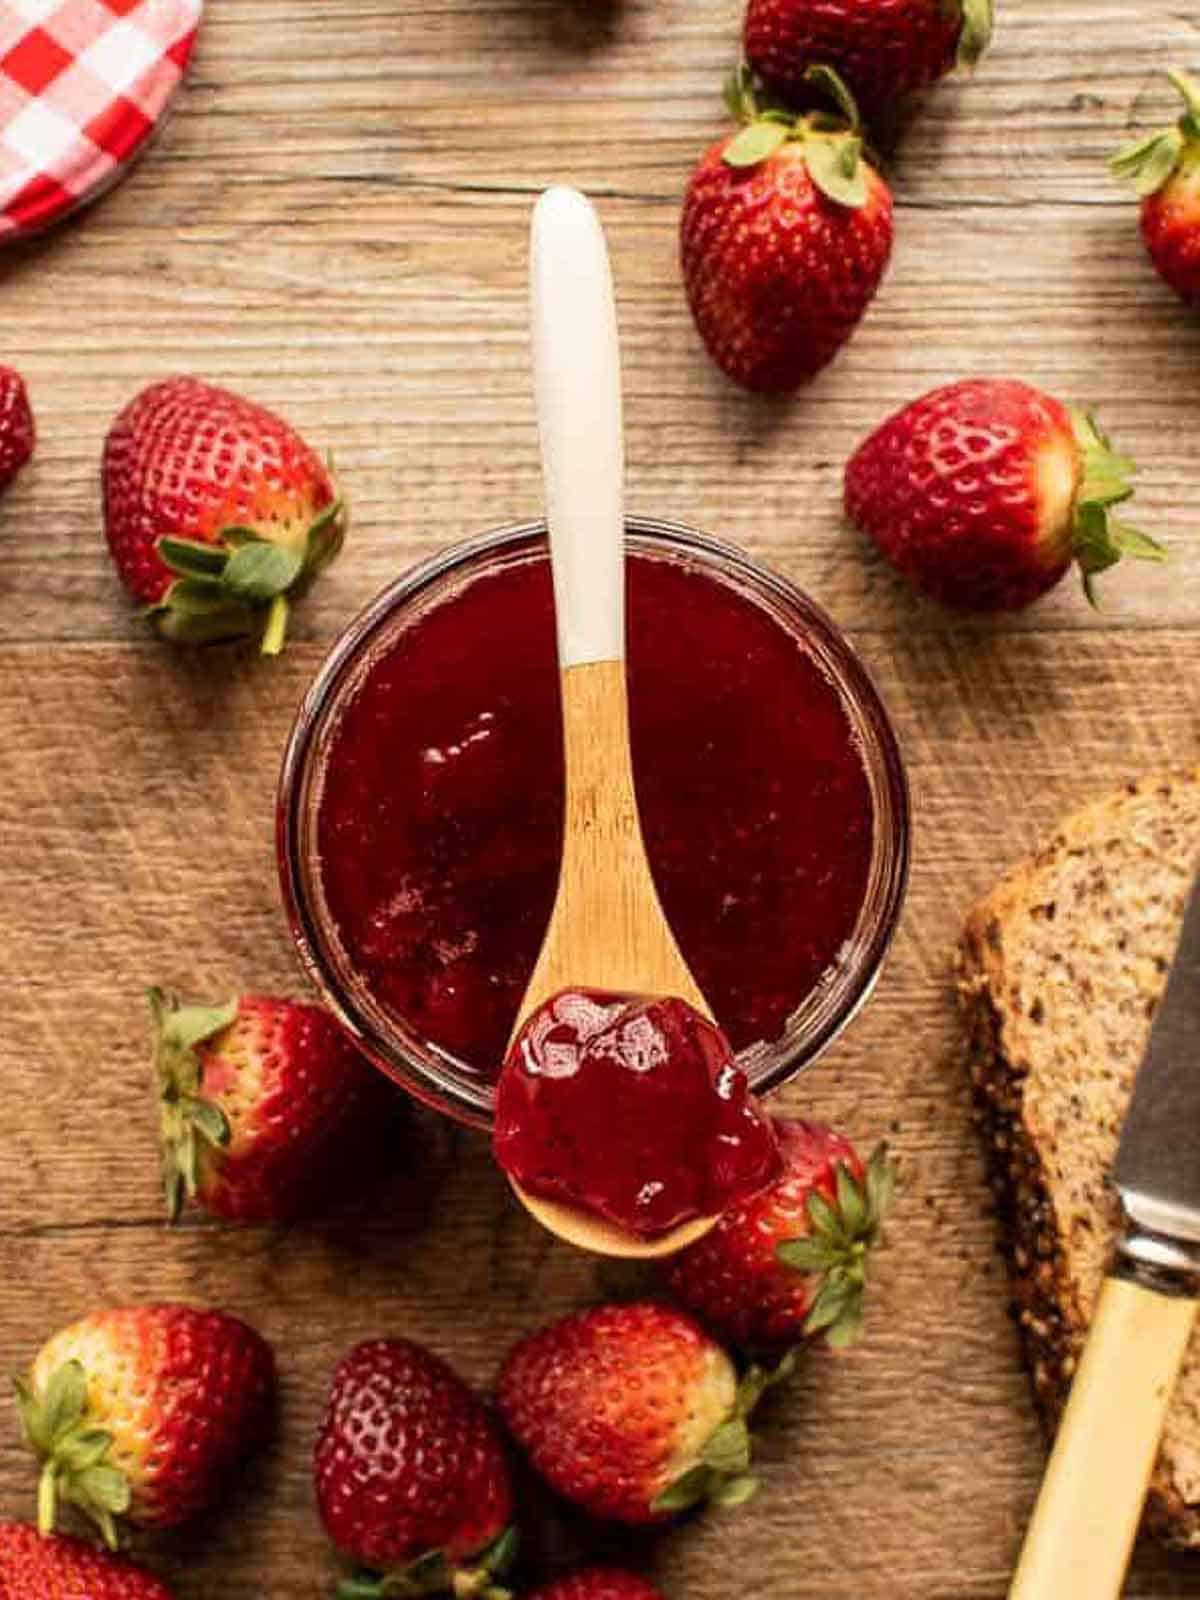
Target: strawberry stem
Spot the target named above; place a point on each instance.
(464, 1584)
(831, 84)
(1190, 92)
(1151, 160)
(276, 629)
(976, 32)
(47, 1499)
(432, 1574)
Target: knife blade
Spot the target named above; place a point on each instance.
(1157, 1170)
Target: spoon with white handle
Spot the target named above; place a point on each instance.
(607, 930)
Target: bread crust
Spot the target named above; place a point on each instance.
(1059, 971)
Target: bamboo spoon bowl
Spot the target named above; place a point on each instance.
(607, 929)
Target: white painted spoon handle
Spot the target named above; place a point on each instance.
(577, 372)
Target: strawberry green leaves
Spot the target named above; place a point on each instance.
(834, 87)
(836, 1251)
(241, 585)
(257, 571)
(755, 143)
(722, 1476)
(72, 1452)
(188, 1120)
(741, 100)
(181, 1028)
(833, 161)
(433, 1574)
(1150, 162)
(1100, 540)
(831, 142)
(190, 558)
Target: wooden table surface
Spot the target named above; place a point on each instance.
(335, 222)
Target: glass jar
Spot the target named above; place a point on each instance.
(432, 1074)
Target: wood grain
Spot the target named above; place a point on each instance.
(335, 221)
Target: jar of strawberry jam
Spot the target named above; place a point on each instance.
(420, 805)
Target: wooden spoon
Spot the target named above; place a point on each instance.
(607, 929)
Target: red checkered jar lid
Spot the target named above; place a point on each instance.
(84, 84)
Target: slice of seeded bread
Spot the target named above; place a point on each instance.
(1060, 970)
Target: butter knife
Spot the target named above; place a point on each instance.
(1078, 1543)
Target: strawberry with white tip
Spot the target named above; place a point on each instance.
(984, 492)
(1164, 168)
(217, 512)
(138, 1414)
(633, 1412)
(267, 1110)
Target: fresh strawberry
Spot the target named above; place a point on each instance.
(411, 1477)
(791, 1263)
(216, 512)
(884, 49)
(983, 492)
(785, 235)
(37, 1567)
(598, 1583)
(267, 1108)
(1164, 168)
(140, 1413)
(632, 1412)
(17, 433)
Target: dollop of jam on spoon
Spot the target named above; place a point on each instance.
(630, 1107)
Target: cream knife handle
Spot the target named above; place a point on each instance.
(1087, 1514)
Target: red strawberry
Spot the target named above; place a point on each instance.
(884, 49)
(982, 493)
(17, 433)
(216, 512)
(791, 1263)
(1165, 170)
(411, 1476)
(33, 1567)
(140, 1413)
(598, 1583)
(267, 1108)
(785, 235)
(632, 1412)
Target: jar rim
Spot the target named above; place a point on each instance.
(433, 1075)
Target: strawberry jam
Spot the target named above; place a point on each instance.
(439, 823)
(632, 1108)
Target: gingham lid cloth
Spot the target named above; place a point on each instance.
(84, 84)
